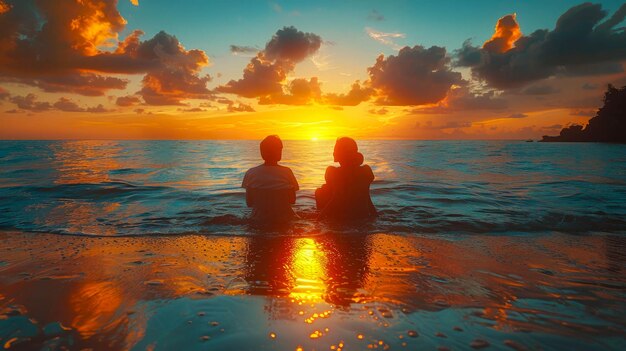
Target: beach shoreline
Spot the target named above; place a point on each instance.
(283, 292)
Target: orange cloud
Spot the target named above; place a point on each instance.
(135, 2)
(506, 34)
(59, 47)
(4, 7)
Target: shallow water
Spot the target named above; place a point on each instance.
(437, 187)
(348, 291)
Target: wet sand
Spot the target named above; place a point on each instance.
(319, 292)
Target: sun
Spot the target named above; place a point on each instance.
(314, 138)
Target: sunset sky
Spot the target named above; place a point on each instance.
(197, 69)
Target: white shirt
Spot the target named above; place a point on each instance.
(270, 178)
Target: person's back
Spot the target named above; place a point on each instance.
(270, 188)
(345, 196)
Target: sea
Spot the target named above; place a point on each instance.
(145, 245)
(125, 188)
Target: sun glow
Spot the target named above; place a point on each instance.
(307, 267)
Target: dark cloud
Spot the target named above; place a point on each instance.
(264, 77)
(517, 115)
(374, 15)
(246, 50)
(240, 107)
(193, 109)
(358, 93)
(447, 125)
(129, 100)
(579, 44)
(462, 99)
(30, 103)
(592, 69)
(98, 109)
(290, 44)
(416, 76)
(67, 105)
(57, 46)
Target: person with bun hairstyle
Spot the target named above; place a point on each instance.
(346, 196)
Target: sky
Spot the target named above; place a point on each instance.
(198, 69)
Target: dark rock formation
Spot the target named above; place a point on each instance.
(609, 124)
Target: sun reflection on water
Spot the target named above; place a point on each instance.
(307, 268)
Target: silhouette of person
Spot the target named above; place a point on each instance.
(270, 187)
(345, 196)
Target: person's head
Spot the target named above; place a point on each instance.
(271, 149)
(347, 152)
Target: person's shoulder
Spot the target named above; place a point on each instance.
(366, 168)
(254, 170)
(367, 171)
(284, 168)
(331, 170)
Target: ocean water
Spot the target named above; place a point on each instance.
(500, 245)
(118, 188)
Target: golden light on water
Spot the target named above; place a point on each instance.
(307, 268)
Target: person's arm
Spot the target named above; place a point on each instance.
(369, 174)
(295, 187)
(250, 197)
(370, 178)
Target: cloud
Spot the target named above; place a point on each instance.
(240, 107)
(260, 78)
(129, 100)
(264, 77)
(4, 7)
(517, 115)
(506, 34)
(135, 2)
(245, 50)
(65, 104)
(382, 111)
(292, 45)
(447, 125)
(374, 15)
(580, 43)
(358, 93)
(299, 92)
(463, 99)
(416, 76)
(384, 38)
(30, 103)
(74, 46)
(193, 109)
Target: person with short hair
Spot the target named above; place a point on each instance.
(270, 187)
